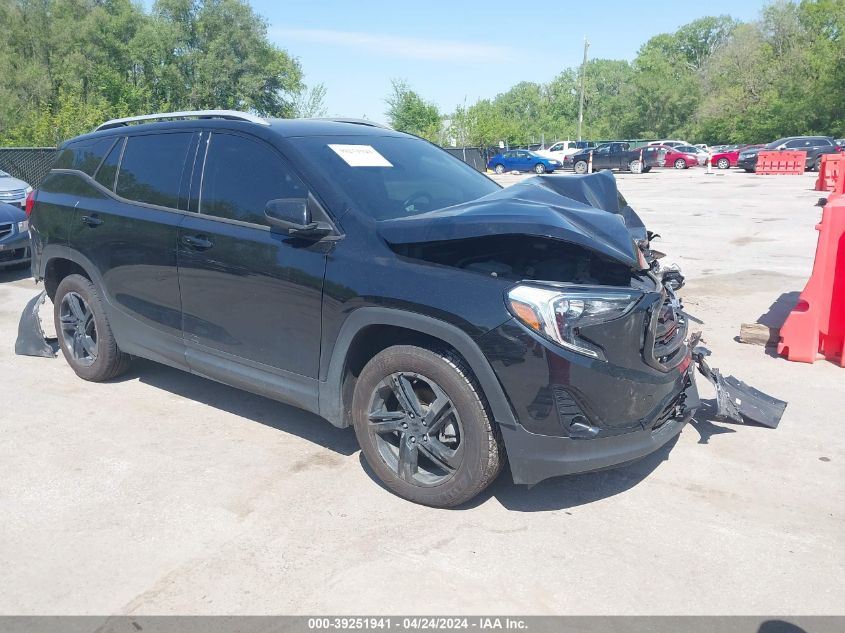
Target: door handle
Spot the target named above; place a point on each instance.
(92, 220)
(197, 241)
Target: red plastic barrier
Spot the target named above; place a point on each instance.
(769, 163)
(817, 324)
(831, 166)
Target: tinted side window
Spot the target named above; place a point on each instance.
(85, 155)
(241, 176)
(151, 169)
(108, 170)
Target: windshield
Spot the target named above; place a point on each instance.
(389, 177)
(775, 144)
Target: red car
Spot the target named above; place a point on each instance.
(725, 160)
(676, 159)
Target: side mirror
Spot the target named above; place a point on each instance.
(294, 215)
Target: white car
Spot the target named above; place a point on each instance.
(669, 143)
(12, 190)
(560, 150)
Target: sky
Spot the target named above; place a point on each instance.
(456, 52)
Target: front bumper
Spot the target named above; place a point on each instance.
(747, 163)
(14, 249)
(534, 457)
(576, 414)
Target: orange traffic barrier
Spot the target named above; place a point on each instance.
(831, 166)
(769, 163)
(817, 324)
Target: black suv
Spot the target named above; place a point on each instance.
(815, 146)
(616, 155)
(368, 276)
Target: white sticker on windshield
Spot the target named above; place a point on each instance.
(360, 155)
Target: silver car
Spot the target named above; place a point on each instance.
(13, 190)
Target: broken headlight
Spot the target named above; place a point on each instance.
(559, 314)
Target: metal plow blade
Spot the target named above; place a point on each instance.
(31, 340)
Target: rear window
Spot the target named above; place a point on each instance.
(84, 156)
(390, 177)
(151, 169)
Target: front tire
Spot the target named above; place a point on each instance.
(499, 169)
(84, 332)
(581, 167)
(424, 428)
(680, 163)
(539, 168)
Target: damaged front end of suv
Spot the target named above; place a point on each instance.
(597, 360)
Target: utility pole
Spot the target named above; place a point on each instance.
(581, 103)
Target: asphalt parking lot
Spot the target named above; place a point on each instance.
(166, 493)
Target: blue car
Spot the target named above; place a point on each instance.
(14, 236)
(522, 160)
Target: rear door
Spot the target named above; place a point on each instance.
(127, 228)
(251, 295)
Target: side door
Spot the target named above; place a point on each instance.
(251, 295)
(126, 228)
(601, 158)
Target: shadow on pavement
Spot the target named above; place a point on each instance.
(243, 404)
(15, 273)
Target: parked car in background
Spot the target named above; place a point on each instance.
(673, 157)
(669, 143)
(815, 146)
(13, 190)
(729, 155)
(14, 236)
(703, 147)
(523, 160)
(615, 155)
(560, 150)
(701, 156)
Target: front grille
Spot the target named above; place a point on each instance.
(5, 229)
(12, 195)
(667, 332)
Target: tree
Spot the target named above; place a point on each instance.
(408, 112)
(310, 103)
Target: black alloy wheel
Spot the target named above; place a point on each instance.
(417, 429)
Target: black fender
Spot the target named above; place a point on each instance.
(59, 251)
(331, 376)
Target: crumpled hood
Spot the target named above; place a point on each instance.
(10, 213)
(583, 210)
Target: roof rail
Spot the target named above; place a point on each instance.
(189, 114)
(355, 121)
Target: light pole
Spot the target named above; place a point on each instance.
(581, 101)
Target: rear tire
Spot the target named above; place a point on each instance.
(581, 167)
(723, 163)
(84, 332)
(635, 167)
(424, 428)
(499, 169)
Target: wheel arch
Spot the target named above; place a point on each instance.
(57, 262)
(369, 330)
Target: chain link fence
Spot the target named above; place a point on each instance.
(30, 164)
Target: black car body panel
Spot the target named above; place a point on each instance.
(289, 317)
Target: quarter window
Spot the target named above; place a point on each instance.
(85, 155)
(108, 170)
(151, 169)
(241, 176)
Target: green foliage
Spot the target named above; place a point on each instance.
(713, 80)
(67, 65)
(408, 112)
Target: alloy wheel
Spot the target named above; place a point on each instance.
(79, 330)
(416, 429)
